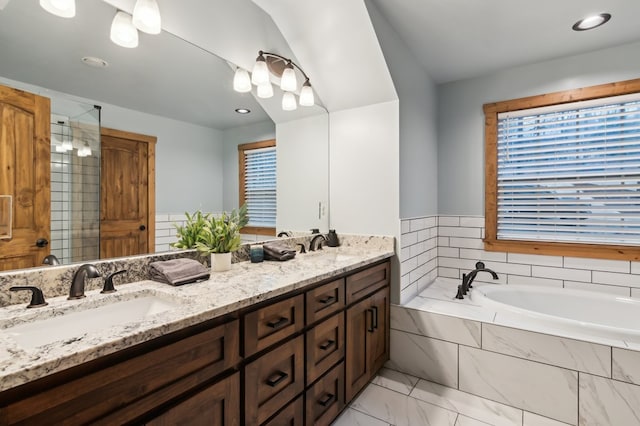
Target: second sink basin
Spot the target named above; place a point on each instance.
(72, 326)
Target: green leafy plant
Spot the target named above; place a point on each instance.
(219, 234)
(192, 231)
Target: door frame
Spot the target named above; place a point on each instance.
(151, 177)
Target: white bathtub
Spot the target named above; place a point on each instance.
(568, 311)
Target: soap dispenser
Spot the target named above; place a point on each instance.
(332, 238)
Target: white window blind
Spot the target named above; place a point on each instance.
(571, 172)
(260, 186)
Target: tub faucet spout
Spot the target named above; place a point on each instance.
(468, 278)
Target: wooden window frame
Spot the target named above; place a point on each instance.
(257, 230)
(491, 111)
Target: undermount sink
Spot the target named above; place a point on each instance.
(73, 326)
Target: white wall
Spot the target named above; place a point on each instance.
(302, 169)
(461, 119)
(232, 138)
(418, 112)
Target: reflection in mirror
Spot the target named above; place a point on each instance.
(168, 89)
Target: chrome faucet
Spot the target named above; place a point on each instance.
(77, 284)
(467, 279)
(320, 237)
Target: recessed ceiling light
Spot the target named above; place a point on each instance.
(92, 61)
(591, 22)
(243, 110)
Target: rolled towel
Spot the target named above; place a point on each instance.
(277, 251)
(178, 271)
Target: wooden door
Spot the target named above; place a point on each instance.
(25, 164)
(127, 194)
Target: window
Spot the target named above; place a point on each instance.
(258, 185)
(563, 173)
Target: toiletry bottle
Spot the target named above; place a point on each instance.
(332, 238)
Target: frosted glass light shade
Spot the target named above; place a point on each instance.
(123, 33)
(241, 81)
(306, 95)
(260, 73)
(289, 83)
(265, 91)
(67, 145)
(84, 151)
(146, 16)
(62, 8)
(289, 102)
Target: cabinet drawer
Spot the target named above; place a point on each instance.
(272, 323)
(324, 300)
(273, 380)
(325, 346)
(325, 399)
(216, 405)
(292, 415)
(366, 282)
(135, 386)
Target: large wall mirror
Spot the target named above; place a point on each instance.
(171, 90)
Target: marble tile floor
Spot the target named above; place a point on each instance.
(398, 399)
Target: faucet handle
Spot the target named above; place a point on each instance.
(108, 282)
(37, 298)
(302, 248)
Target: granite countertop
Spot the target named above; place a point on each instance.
(225, 292)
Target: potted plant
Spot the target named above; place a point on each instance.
(192, 231)
(220, 236)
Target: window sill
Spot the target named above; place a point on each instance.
(258, 230)
(595, 251)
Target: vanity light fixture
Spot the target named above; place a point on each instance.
(84, 151)
(123, 32)
(146, 16)
(62, 8)
(268, 64)
(591, 22)
(241, 81)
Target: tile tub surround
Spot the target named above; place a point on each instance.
(55, 281)
(453, 244)
(571, 379)
(245, 284)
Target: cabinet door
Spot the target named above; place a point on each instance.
(218, 404)
(378, 341)
(325, 346)
(359, 324)
(367, 340)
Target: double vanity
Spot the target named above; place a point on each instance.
(269, 343)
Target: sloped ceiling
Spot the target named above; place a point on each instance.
(336, 45)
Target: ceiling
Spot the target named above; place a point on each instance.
(459, 39)
(163, 76)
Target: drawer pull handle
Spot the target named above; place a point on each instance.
(280, 322)
(277, 378)
(326, 345)
(327, 399)
(328, 300)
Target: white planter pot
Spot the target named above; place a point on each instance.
(220, 262)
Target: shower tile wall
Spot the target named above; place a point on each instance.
(75, 207)
(459, 246)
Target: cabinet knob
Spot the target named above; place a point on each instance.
(142, 227)
(42, 242)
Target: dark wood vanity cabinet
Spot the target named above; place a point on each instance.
(298, 359)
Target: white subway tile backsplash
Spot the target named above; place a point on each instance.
(405, 253)
(405, 226)
(534, 259)
(431, 221)
(472, 221)
(408, 293)
(635, 268)
(508, 268)
(451, 231)
(471, 243)
(476, 254)
(418, 224)
(454, 262)
(448, 252)
(635, 292)
(177, 217)
(424, 234)
(616, 279)
(443, 241)
(561, 273)
(409, 265)
(449, 221)
(448, 272)
(598, 264)
(409, 239)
